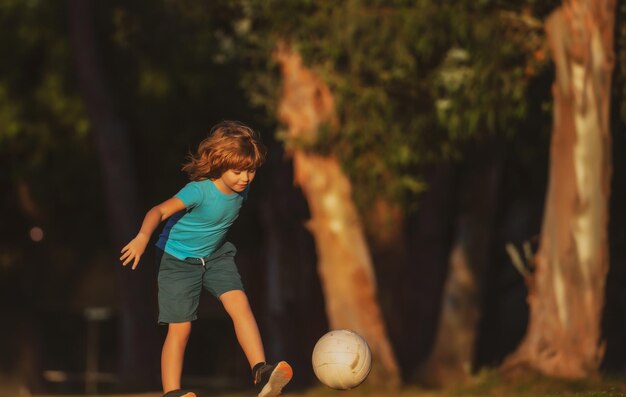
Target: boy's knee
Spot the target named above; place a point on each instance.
(234, 297)
(235, 302)
(179, 330)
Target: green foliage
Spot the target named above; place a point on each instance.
(412, 80)
(377, 73)
(39, 107)
(483, 80)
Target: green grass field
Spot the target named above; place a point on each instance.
(483, 385)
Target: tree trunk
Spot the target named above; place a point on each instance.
(453, 354)
(138, 357)
(430, 233)
(344, 261)
(566, 290)
(385, 232)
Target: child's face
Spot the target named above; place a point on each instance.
(236, 181)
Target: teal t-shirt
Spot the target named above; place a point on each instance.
(201, 228)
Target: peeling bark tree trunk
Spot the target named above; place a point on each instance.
(566, 291)
(453, 354)
(139, 350)
(344, 266)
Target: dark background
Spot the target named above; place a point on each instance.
(168, 90)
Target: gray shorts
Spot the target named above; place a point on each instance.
(181, 282)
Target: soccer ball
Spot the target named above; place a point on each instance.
(342, 359)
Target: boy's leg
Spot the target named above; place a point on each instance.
(172, 355)
(223, 281)
(238, 308)
(269, 379)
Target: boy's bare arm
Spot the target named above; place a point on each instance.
(133, 251)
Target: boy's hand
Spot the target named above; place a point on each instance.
(132, 251)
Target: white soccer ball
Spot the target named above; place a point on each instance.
(342, 359)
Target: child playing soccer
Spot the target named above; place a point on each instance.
(192, 252)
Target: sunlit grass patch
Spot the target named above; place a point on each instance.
(529, 384)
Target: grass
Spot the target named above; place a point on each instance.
(495, 384)
(487, 384)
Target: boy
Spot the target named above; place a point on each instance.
(193, 253)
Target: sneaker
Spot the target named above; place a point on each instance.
(270, 379)
(180, 393)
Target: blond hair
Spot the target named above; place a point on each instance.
(229, 145)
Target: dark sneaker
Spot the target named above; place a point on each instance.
(270, 379)
(180, 393)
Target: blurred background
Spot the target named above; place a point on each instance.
(444, 177)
